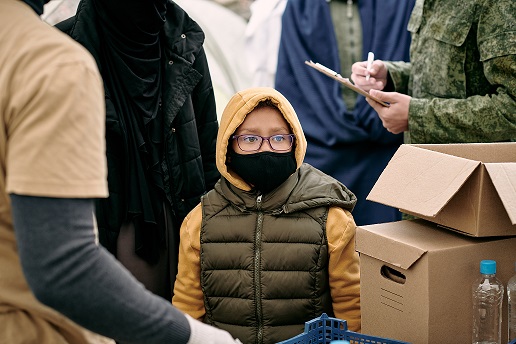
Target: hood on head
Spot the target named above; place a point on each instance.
(241, 104)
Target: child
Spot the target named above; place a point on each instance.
(273, 244)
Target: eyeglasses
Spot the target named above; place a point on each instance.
(251, 143)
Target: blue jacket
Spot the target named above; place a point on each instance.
(352, 146)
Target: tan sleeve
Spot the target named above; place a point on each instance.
(188, 296)
(344, 268)
(57, 138)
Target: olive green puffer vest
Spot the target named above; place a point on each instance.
(264, 278)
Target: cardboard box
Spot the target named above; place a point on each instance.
(416, 280)
(470, 188)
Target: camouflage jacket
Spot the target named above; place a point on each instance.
(462, 74)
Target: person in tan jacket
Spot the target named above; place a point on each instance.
(273, 244)
(57, 284)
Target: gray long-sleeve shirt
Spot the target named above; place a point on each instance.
(67, 271)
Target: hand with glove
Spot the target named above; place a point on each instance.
(201, 333)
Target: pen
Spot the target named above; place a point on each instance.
(328, 70)
(370, 59)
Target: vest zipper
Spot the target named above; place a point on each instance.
(257, 269)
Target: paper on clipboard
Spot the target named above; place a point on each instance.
(345, 81)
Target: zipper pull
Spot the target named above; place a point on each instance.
(259, 202)
(350, 8)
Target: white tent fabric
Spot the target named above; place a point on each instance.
(58, 10)
(224, 44)
(262, 40)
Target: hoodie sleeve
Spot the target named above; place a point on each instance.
(188, 296)
(344, 268)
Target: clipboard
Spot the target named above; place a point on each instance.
(345, 81)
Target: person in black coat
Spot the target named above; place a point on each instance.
(161, 128)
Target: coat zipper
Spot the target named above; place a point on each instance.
(257, 269)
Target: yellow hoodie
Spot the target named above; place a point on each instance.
(340, 227)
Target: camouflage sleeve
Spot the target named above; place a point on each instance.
(488, 116)
(399, 72)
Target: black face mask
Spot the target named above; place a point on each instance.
(265, 170)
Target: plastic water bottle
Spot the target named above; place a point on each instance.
(511, 298)
(487, 305)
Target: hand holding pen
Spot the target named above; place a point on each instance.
(370, 74)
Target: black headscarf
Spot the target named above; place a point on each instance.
(130, 59)
(37, 5)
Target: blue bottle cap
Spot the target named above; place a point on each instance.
(488, 267)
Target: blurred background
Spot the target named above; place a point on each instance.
(56, 10)
(224, 24)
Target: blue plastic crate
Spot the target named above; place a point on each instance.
(324, 329)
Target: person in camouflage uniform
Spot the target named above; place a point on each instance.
(461, 83)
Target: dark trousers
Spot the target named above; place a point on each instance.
(158, 278)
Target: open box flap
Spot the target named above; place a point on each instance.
(503, 176)
(421, 181)
(388, 250)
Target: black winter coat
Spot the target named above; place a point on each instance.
(190, 120)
